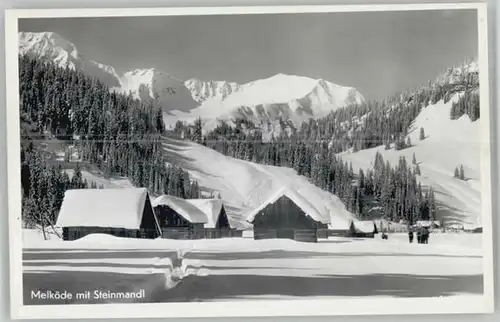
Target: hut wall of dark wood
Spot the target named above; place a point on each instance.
(264, 233)
(337, 232)
(176, 233)
(148, 228)
(235, 233)
(282, 219)
(149, 224)
(306, 235)
(169, 218)
(324, 233)
(222, 221)
(197, 231)
(73, 233)
(214, 233)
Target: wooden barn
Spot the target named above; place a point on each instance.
(218, 224)
(287, 215)
(122, 212)
(178, 218)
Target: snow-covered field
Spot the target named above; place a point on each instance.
(243, 268)
(448, 144)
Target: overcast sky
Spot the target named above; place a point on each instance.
(379, 53)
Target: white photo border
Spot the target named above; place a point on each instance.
(250, 308)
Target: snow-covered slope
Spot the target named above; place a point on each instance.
(448, 144)
(49, 46)
(102, 181)
(244, 185)
(281, 96)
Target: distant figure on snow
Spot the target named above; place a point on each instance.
(419, 235)
(384, 236)
(425, 235)
(410, 235)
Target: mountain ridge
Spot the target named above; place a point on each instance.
(263, 100)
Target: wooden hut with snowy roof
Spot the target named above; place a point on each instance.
(122, 212)
(178, 218)
(287, 214)
(218, 224)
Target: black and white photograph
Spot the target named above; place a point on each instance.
(249, 158)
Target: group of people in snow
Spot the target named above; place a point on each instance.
(422, 234)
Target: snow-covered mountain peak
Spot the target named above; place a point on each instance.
(48, 45)
(267, 101)
(466, 72)
(282, 79)
(161, 87)
(203, 90)
(148, 72)
(51, 47)
(284, 88)
(149, 76)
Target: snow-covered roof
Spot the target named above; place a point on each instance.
(184, 208)
(299, 200)
(117, 207)
(210, 207)
(365, 226)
